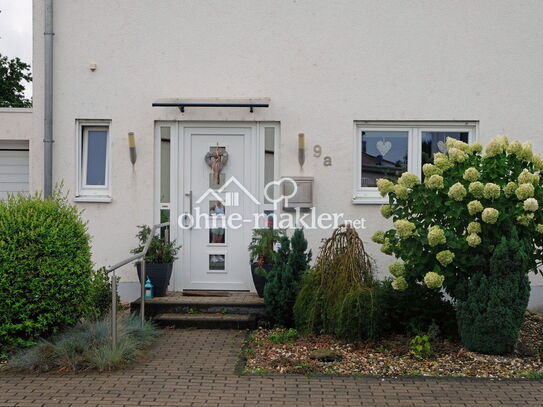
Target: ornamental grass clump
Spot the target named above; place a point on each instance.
(87, 345)
(337, 295)
(456, 223)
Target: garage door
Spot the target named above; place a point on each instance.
(13, 167)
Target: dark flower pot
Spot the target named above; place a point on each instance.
(258, 279)
(159, 274)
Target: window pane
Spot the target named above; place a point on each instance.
(384, 155)
(96, 157)
(435, 142)
(217, 222)
(216, 261)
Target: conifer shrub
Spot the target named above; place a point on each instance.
(358, 315)
(336, 294)
(272, 289)
(300, 257)
(308, 305)
(447, 227)
(290, 262)
(493, 311)
(45, 268)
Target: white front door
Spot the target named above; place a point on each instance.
(216, 256)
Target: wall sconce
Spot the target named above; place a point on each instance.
(132, 147)
(301, 149)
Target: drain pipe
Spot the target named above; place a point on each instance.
(48, 101)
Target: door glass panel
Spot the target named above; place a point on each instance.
(435, 142)
(269, 159)
(164, 165)
(96, 157)
(217, 231)
(165, 137)
(384, 155)
(216, 261)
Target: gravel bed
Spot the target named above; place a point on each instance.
(391, 356)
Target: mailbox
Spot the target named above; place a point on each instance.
(303, 198)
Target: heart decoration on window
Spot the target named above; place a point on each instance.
(383, 147)
(442, 146)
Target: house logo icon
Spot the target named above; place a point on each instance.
(233, 198)
(228, 198)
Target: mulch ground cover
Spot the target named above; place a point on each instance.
(392, 357)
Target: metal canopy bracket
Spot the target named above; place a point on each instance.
(182, 103)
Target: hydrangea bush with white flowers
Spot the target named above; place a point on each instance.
(446, 228)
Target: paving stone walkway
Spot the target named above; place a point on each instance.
(196, 368)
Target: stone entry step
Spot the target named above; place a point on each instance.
(206, 321)
(177, 303)
(229, 310)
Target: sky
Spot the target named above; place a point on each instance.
(16, 32)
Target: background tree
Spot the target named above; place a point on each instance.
(13, 73)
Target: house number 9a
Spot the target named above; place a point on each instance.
(317, 152)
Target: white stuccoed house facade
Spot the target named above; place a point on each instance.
(373, 86)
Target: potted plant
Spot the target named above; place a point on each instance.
(158, 260)
(261, 255)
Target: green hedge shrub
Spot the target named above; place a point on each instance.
(490, 318)
(367, 312)
(290, 262)
(372, 312)
(45, 268)
(412, 311)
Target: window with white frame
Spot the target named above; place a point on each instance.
(93, 156)
(388, 149)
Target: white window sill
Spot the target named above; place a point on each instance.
(97, 198)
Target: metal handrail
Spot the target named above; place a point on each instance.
(111, 269)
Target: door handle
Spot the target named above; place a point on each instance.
(189, 195)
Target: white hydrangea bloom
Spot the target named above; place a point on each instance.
(531, 205)
(433, 280)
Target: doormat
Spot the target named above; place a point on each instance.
(206, 293)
